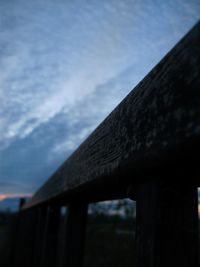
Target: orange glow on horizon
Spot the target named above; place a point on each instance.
(4, 196)
(199, 210)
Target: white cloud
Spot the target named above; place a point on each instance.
(71, 144)
(48, 68)
(33, 84)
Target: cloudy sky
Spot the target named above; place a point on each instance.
(64, 66)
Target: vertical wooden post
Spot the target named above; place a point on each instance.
(22, 201)
(49, 254)
(75, 235)
(167, 224)
(13, 236)
(25, 238)
(39, 236)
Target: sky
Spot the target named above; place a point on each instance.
(64, 66)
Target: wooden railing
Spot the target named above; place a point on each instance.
(147, 149)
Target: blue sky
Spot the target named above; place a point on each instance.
(64, 66)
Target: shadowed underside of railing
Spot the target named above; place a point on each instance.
(146, 149)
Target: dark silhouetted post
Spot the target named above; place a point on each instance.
(25, 238)
(50, 242)
(75, 235)
(22, 201)
(40, 235)
(167, 224)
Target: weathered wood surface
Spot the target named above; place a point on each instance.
(159, 119)
(167, 223)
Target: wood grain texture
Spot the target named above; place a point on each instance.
(154, 123)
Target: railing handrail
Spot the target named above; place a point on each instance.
(157, 122)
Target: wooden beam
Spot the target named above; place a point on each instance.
(167, 224)
(157, 124)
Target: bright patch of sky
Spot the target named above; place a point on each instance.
(65, 65)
